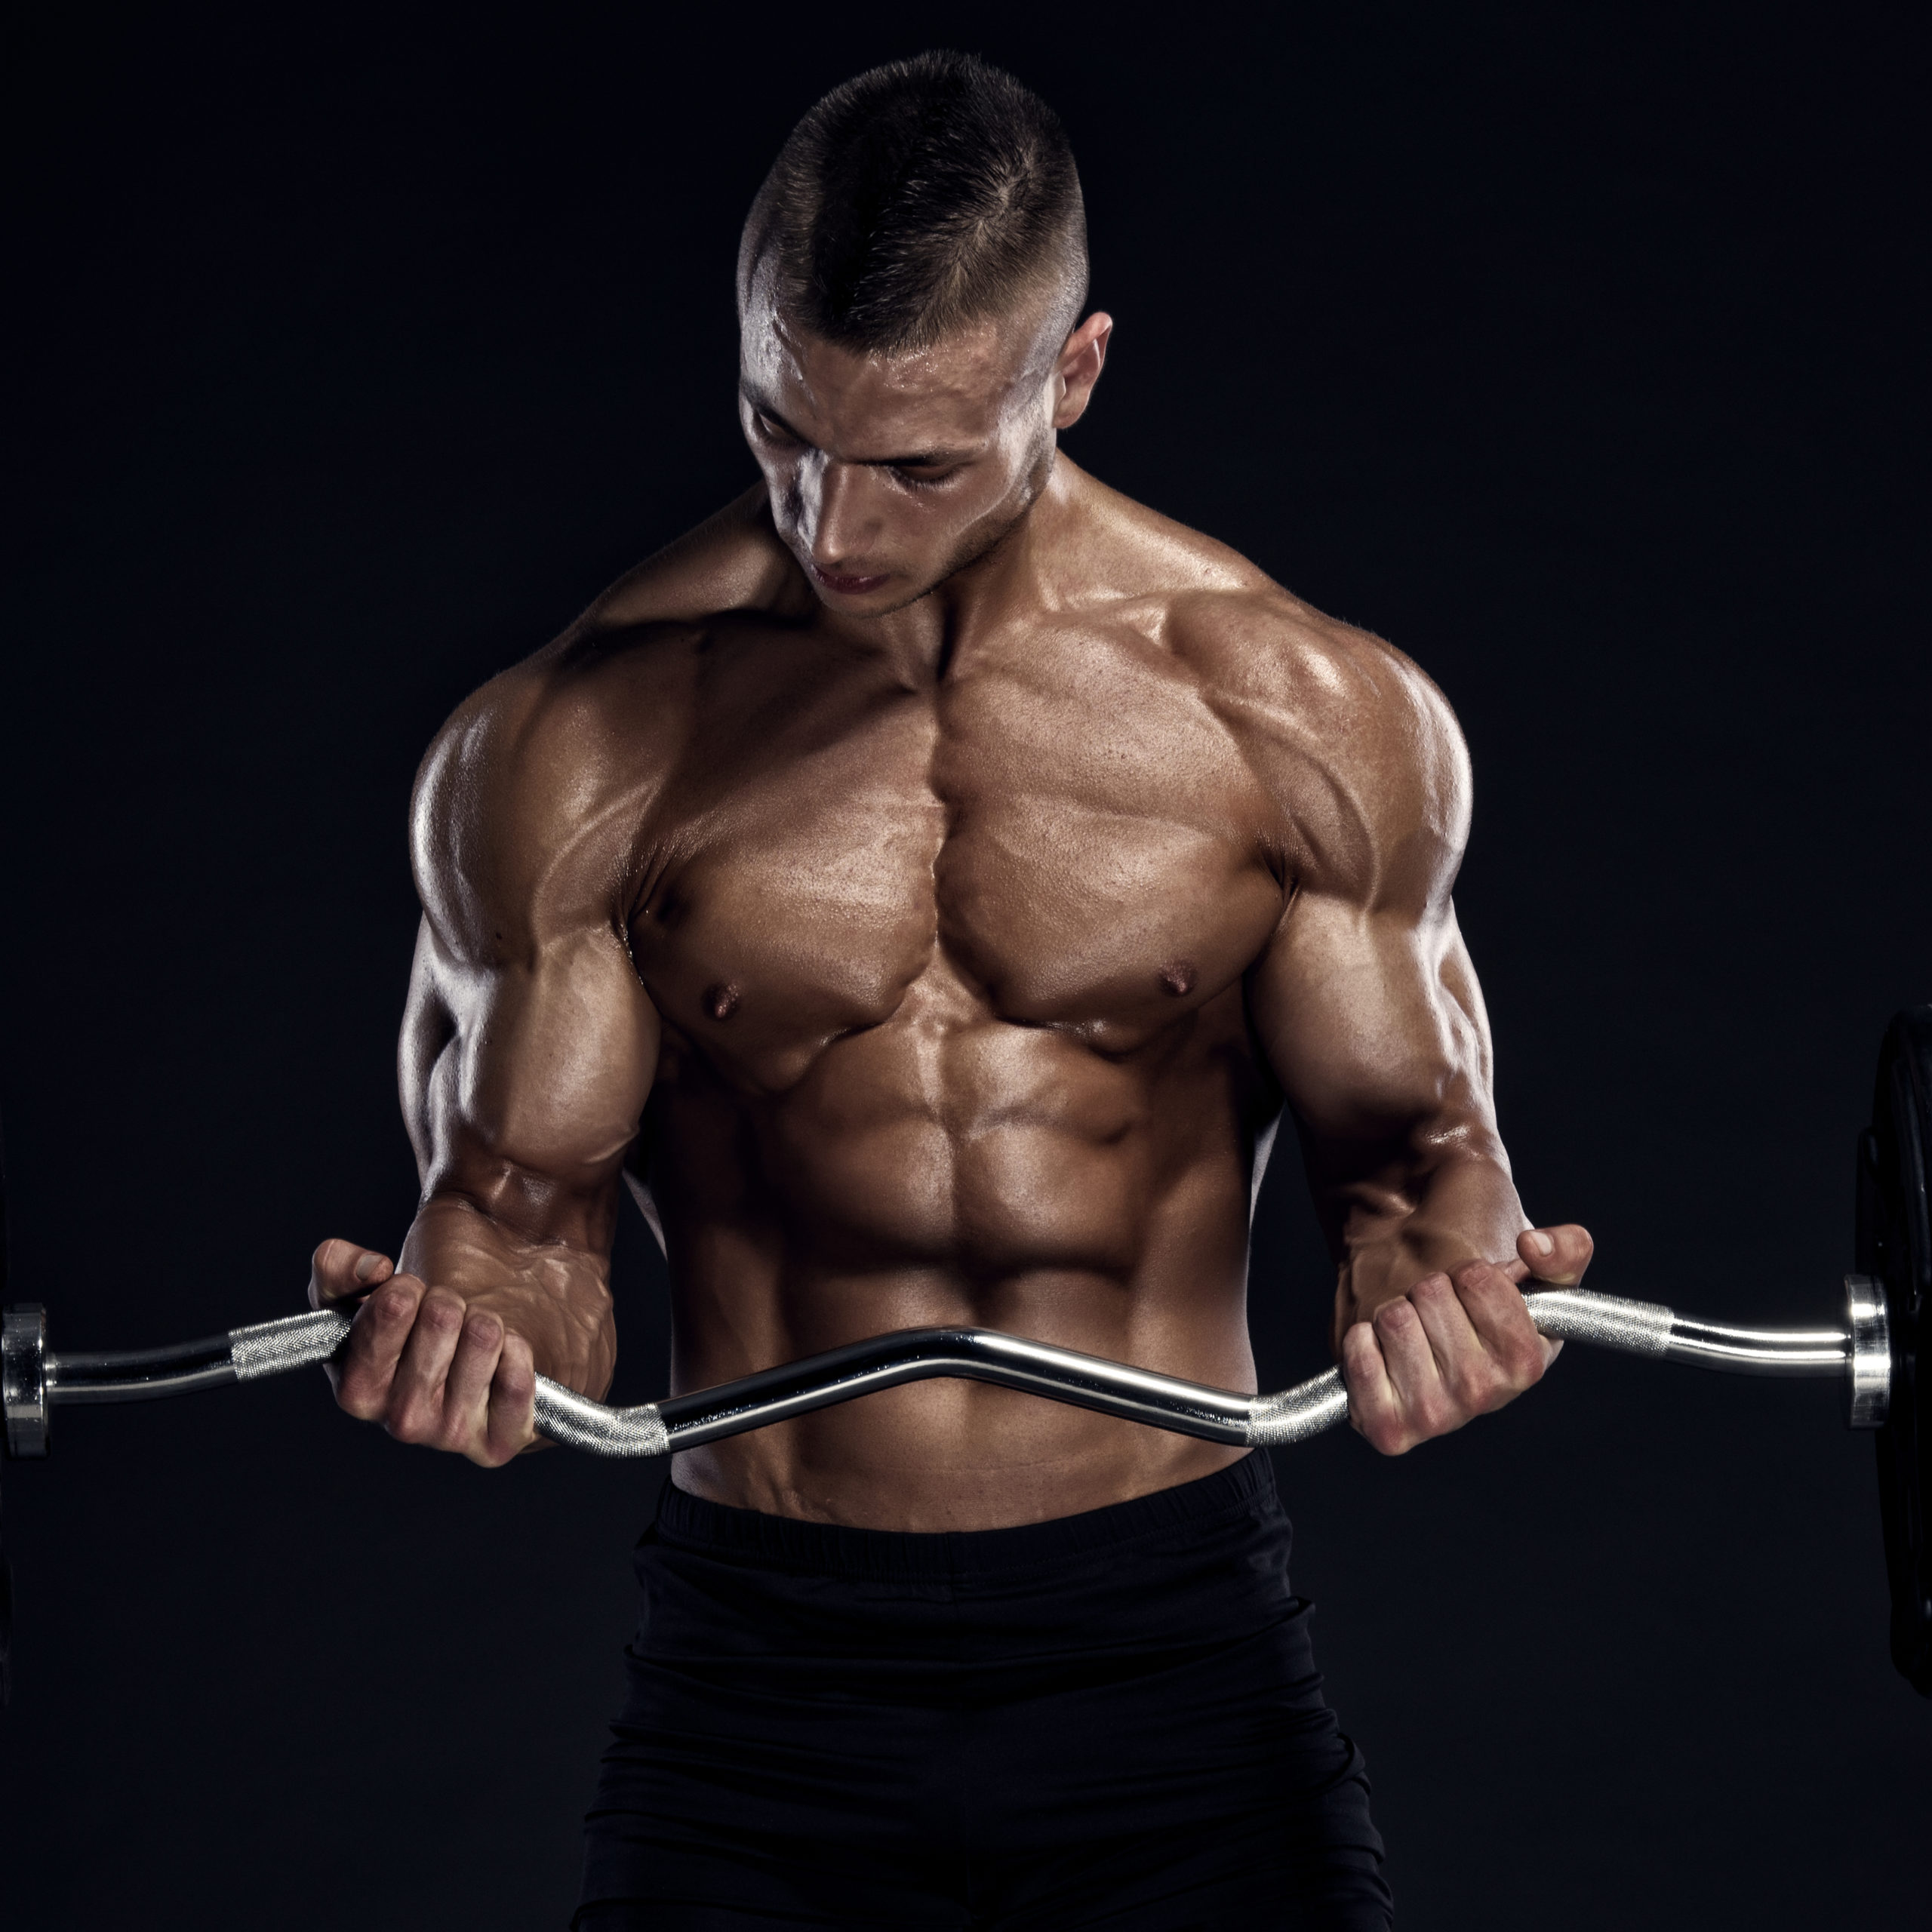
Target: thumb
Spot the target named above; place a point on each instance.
(1558, 1255)
(340, 1269)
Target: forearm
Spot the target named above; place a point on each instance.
(555, 1295)
(1447, 1200)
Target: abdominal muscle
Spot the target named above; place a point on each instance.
(1099, 1202)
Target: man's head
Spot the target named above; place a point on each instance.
(909, 283)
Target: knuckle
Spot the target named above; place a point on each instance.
(441, 1311)
(1395, 1319)
(412, 1421)
(361, 1403)
(1486, 1295)
(391, 1305)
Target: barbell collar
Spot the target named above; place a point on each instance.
(1868, 1393)
(23, 1391)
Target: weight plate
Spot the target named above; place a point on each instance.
(1895, 1246)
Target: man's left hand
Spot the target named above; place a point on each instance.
(1427, 1362)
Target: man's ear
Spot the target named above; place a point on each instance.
(1078, 368)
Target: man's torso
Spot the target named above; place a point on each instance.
(950, 959)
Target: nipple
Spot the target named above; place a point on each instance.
(721, 1001)
(1178, 979)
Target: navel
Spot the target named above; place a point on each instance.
(721, 1001)
(1177, 978)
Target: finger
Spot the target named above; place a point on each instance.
(1413, 1368)
(1557, 1255)
(512, 1425)
(1467, 1371)
(364, 1372)
(1515, 1355)
(1374, 1409)
(465, 1412)
(339, 1268)
(415, 1412)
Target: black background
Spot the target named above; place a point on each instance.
(1577, 351)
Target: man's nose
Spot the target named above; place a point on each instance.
(847, 521)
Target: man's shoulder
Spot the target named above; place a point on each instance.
(569, 747)
(553, 736)
(1351, 738)
(621, 674)
(732, 562)
(1255, 647)
(1290, 667)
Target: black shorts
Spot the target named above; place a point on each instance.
(1113, 1720)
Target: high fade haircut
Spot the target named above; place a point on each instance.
(919, 197)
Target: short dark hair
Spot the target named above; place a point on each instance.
(922, 196)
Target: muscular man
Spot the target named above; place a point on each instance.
(924, 885)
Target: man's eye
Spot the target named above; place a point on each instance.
(924, 479)
(772, 432)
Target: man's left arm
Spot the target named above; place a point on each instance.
(1367, 1006)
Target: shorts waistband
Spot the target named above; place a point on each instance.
(913, 1556)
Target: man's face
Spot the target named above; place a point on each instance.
(888, 473)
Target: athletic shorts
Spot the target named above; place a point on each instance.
(1111, 1719)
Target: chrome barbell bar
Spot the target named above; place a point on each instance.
(34, 1381)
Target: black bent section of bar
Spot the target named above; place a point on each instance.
(976, 1354)
(136, 1375)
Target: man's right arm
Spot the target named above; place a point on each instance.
(525, 1061)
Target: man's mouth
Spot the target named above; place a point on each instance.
(841, 585)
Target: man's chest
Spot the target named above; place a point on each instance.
(1085, 851)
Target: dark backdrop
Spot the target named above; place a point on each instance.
(1577, 351)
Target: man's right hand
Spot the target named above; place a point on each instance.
(423, 1363)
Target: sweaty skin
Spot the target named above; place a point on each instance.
(923, 884)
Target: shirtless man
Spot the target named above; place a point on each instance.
(923, 884)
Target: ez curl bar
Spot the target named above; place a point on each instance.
(1874, 1354)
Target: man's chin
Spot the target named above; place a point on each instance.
(880, 598)
(894, 590)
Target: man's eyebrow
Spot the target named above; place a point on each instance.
(922, 459)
